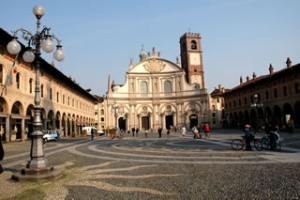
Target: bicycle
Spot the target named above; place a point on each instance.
(239, 144)
(265, 141)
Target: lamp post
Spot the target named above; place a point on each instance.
(257, 104)
(37, 168)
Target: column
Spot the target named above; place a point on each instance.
(7, 129)
(23, 129)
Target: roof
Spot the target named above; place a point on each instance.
(263, 78)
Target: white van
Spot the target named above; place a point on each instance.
(88, 130)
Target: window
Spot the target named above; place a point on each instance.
(42, 90)
(30, 85)
(102, 119)
(18, 80)
(102, 112)
(50, 93)
(297, 88)
(285, 91)
(193, 44)
(168, 87)
(267, 94)
(1, 73)
(57, 97)
(144, 87)
(275, 93)
(63, 99)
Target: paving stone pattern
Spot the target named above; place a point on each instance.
(157, 168)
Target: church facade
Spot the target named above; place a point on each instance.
(160, 93)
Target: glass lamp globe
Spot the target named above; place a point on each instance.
(13, 47)
(47, 45)
(59, 55)
(38, 11)
(28, 56)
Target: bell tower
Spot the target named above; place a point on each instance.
(191, 58)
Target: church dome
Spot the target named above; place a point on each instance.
(143, 54)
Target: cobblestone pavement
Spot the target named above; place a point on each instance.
(157, 168)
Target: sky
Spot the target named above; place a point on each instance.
(99, 37)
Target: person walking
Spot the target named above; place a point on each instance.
(146, 133)
(159, 130)
(248, 137)
(92, 134)
(137, 132)
(133, 131)
(207, 130)
(183, 129)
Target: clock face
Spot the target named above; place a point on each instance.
(195, 59)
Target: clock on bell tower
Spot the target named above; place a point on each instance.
(191, 58)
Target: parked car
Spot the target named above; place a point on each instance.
(51, 135)
(100, 132)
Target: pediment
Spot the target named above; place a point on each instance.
(154, 65)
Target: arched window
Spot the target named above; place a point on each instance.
(197, 86)
(193, 44)
(213, 107)
(168, 87)
(144, 87)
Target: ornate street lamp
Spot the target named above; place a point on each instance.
(257, 104)
(37, 168)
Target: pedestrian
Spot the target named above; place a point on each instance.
(207, 130)
(1, 153)
(248, 137)
(146, 133)
(168, 133)
(92, 134)
(195, 132)
(133, 131)
(137, 132)
(159, 130)
(183, 129)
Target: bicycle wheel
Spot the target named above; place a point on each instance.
(277, 146)
(257, 144)
(237, 144)
(265, 143)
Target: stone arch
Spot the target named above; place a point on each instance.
(50, 120)
(58, 120)
(277, 115)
